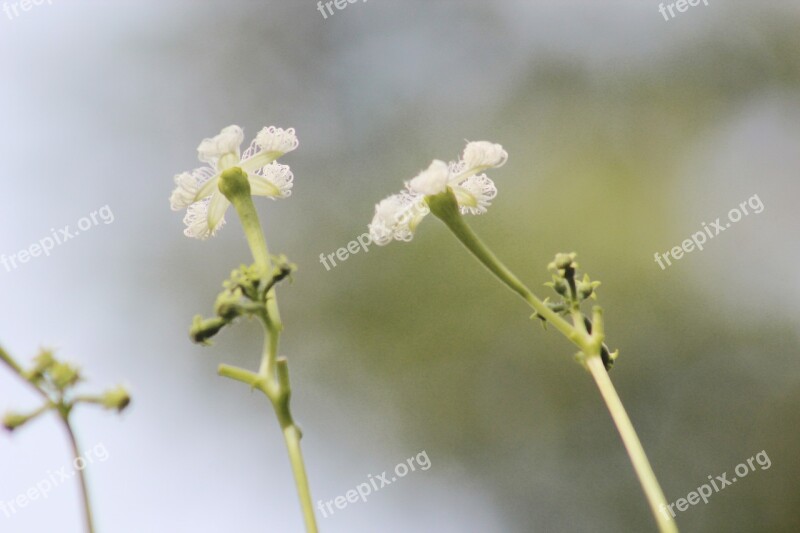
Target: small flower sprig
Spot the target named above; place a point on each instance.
(55, 381)
(233, 178)
(574, 292)
(449, 191)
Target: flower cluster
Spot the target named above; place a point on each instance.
(245, 294)
(56, 380)
(397, 217)
(574, 291)
(197, 190)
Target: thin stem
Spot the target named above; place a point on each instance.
(252, 230)
(652, 490)
(270, 351)
(239, 374)
(87, 508)
(8, 360)
(445, 207)
(292, 437)
(17, 369)
(272, 378)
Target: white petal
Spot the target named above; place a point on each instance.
(475, 194)
(274, 181)
(481, 155)
(397, 217)
(207, 180)
(184, 193)
(216, 211)
(277, 140)
(196, 220)
(227, 142)
(191, 187)
(251, 150)
(433, 180)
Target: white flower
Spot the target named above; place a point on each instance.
(431, 181)
(483, 155)
(198, 190)
(277, 140)
(397, 217)
(227, 143)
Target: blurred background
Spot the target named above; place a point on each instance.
(625, 133)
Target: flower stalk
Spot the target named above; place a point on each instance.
(54, 381)
(587, 335)
(272, 378)
(87, 503)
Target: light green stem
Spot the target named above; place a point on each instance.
(292, 437)
(8, 360)
(273, 377)
(445, 207)
(243, 203)
(87, 507)
(647, 478)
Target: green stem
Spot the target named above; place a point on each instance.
(240, 374)
(445, 207)
(272, 378)
(18, 370)
(647, 478)
(291, 436)
(87, 508)
(8, 360)
(272, 330)
(252, 229)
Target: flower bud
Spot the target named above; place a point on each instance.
(202, 330)
(560, 286)
(12, 421)
(586, 287)
(117, 399)
(584, 290)
(63, 375)
(41, 363)
(563, 261)
(227, 305)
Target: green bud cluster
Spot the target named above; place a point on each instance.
(56, 381)
(565, 283)
(244, 293)
(573, 292)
